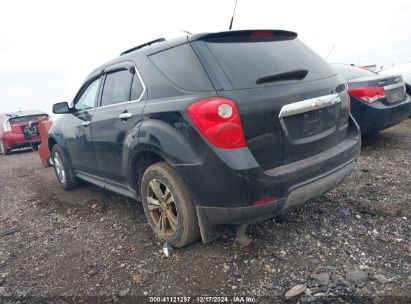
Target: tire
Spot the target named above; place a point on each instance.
(35, 147)
(179, 227)
(64, 173)
(3, 150)
(50, 161)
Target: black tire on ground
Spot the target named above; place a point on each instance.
(178, 233)
(64, 173)
(3, 150)
(35, 147)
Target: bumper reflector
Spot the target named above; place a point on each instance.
(266, 200)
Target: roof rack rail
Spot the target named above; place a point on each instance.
(143, 45)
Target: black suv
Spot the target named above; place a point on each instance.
(209, 129)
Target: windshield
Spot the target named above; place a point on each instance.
(351, 72)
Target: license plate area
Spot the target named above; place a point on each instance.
(395, 92)
(308, 124)
(30, 130)
(395, 95)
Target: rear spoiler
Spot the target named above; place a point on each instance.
(245, 35)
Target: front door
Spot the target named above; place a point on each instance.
(78, 129)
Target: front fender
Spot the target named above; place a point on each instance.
(56, 133)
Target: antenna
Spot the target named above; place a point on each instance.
(232, 18)
(329, 53)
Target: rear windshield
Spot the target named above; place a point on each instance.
(26, 118)
(245, 61)
(350, 72)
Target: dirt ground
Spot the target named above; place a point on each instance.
(351, 245)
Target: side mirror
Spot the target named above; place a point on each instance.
(61, 108)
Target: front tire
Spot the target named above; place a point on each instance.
(168, 206)
(64, 173)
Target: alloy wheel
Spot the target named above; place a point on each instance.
(162, 207)
(58, 165)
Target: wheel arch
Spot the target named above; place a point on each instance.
(159, 141)
(139, 164)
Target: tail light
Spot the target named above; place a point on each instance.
(262, 34)
(218, 120)
(7, 126)
(368, 94)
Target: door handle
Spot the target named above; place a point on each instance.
(85, 123)
(125, 116)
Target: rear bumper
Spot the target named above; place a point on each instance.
(212, 219)
(377, 117)
(227, 183)
(13, 140)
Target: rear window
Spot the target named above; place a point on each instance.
(350, 72)
(182, 67)
(245, 61)
(27, 118)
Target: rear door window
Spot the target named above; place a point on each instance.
(245, 61)
(117, 87)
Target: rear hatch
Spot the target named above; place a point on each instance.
(26, 125)
(292, 105)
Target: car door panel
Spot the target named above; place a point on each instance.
(115, 122)
(78, 129)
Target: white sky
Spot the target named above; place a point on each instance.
(47, 48)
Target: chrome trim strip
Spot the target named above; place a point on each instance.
(126, 102)
(394, 86)
(309, 105)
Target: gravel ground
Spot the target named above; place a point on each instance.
(352, 245)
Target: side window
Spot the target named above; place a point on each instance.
(182, 67)
(88, 97)
(117, 87)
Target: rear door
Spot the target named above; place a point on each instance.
(119, 114)
(259, 70)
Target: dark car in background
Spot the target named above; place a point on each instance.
(377, 101)
(20, 130)
(404, 70)
(209, 129)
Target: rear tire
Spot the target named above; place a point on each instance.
(3, 150)
(64, 173)
(171, 212)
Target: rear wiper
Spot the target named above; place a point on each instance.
(289, 75)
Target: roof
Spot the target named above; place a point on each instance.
(153, 47)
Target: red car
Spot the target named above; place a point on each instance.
(20, 129)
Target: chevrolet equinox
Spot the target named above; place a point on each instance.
(209, 129)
